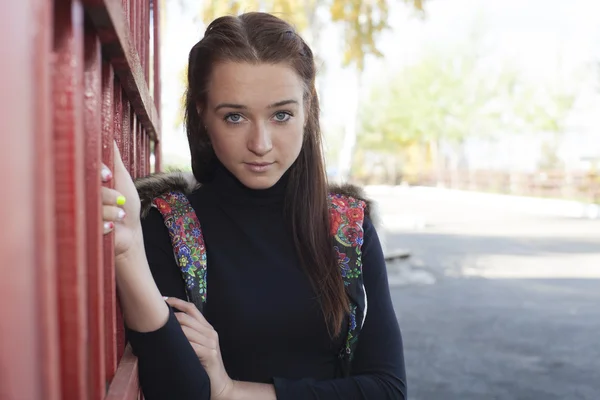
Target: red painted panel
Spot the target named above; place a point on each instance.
(132, 25)
(157, 92)
(133, 167)
(141, 155)
(121, 133)
(95, 266)
(109, 126)
(67, 109)
(111, 21)
(45, 226)
(125, 145)
(125, 384)
(21, 373)
(156, 50)
(143, 152)
(148, 153)
(135, 26)
(146, 39)
(69, 168)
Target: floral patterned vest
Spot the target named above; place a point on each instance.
(346, 219)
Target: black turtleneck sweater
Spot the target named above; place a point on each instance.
(260, 302)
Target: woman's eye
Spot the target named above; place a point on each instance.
(282, 116)
(233, 118)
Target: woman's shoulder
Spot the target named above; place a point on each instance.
(355, 196)
(159, 184)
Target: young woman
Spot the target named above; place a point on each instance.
(278, 319)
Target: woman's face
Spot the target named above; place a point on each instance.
(255, 120)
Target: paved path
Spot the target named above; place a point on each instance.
(496, 302)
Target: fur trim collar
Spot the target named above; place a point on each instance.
(157, 184)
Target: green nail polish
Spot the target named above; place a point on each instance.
(121, 200)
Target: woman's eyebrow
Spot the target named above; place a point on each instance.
(243, 107)
(283, 103)
(230, 105)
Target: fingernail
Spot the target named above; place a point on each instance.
(121, 200)
(108, 226)
(106, 174)
(165, 298)
(121, 215)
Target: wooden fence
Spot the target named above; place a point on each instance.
(75, 75)
(581, 186)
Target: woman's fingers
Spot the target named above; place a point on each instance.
(196, 337)
(188, 308)
(105, 173)
(190, 322)
(205, 355)
(108, 227)
(111, 197)
(111, 213)
(112, 201)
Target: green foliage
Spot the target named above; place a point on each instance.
(449, 96)
(545, 108)
(442, 96)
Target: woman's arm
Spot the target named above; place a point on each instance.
(168, 367)
(378, 366)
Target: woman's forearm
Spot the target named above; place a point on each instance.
(252, 391)
(144, 309)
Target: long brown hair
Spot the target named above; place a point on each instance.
(263, 38)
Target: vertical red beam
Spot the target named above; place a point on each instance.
(126, 7)
(109, 126)
(69, 167)
(146, 40)
(136, 152)
(133, 23)
(120, 129)
(157, 93)
(118, 113)
(124, 148)
(93, 145)
(136, 24)
(26, 356)
(45, 227)
(133, 169)
(144, 153)
(125, 145)
(141, 153)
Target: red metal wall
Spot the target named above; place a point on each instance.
(75, 76)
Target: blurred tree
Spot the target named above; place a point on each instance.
(445, 97)
(448, 97)
(546, 108)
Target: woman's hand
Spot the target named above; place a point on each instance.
(143, 307)
(205, 341)
(121, 207)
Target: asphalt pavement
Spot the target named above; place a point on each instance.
(495, 302)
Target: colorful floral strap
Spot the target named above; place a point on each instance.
(346, 215)
(346, 219)
(188, 243)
